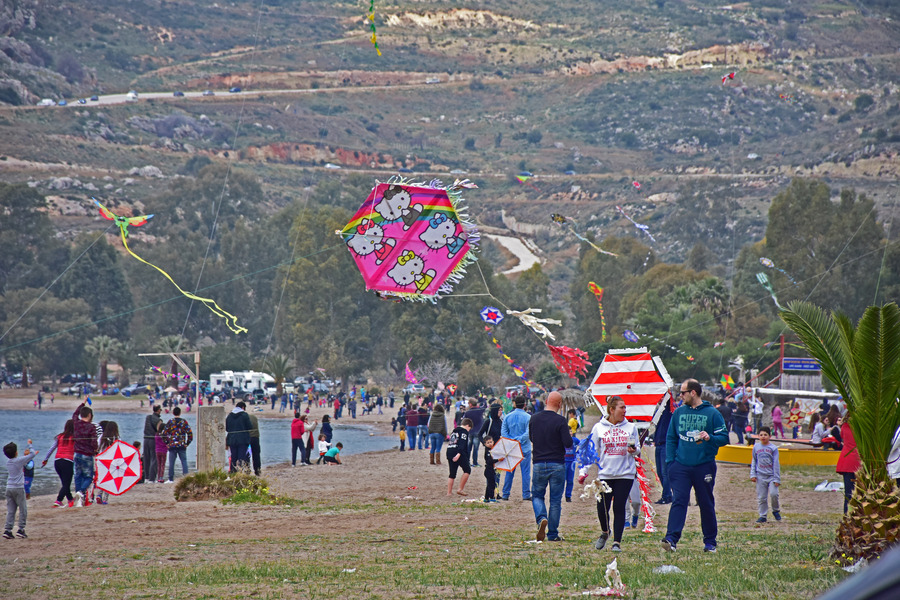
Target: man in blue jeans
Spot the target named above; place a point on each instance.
(696, 433)
(412, 426)
(515, 426)
(549, 434)
(178, 436)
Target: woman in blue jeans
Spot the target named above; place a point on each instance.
(437, 432)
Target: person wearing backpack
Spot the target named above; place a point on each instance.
(178, 436)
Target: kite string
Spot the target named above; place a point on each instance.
(47, 288)
(230, 319)
(237, 132)
(884, 255)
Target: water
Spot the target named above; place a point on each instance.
(274, 439)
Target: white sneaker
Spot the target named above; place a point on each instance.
(79, 500)
(169, 481)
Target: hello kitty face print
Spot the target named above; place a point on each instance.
(369, 239)
(442, 233)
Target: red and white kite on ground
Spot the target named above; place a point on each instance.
(637, 377)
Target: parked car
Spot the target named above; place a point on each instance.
(457, 172)
(404, 170)
(332, 166)
(82, 101)
(526, 174)
(62, 103)
(414, 389)
(81, 387)
(95, 98)
(131, 95)
(235, 90)
(178, 94)
(209, 93)
(134, 388)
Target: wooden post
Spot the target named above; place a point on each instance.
(210, 438)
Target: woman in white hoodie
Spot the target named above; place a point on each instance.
(614, 440)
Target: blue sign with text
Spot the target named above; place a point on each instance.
(800, 364)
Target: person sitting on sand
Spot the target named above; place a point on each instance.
(331, 456)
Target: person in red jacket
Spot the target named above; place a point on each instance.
(86, 444)
(298, 428)
(64, 445)
(848, 462)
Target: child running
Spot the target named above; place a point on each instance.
(15, 489)
(458, 456)
(766, 472)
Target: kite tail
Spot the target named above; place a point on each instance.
(644, 485)
(586, 453)
(230, 319)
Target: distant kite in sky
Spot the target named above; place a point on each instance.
(763, 279)
(410, 374)
(630, 336)
(524, 180)
(640, 226)
(637, 185)
(529, 320)
(598, 291)
(491, 315)
(123, 223)
(727, 77)
(519, 371)
(571, 361)
(371, 18)
(767, 262)
(563, 222)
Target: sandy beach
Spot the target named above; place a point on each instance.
(379, 497)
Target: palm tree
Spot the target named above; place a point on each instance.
(171, 343)
(864, 364)
(279, 367)
(102, 348)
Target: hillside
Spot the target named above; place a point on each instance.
(589, 97)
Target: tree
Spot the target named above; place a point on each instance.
(230, 356)
(438, 371)
(29, 247)
(98, 278)
(102, 348)
(864, 364)
(43, 331)
(279, 367)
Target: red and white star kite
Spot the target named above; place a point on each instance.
(118, 468)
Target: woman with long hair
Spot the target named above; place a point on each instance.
(615, 444)
(64, 445)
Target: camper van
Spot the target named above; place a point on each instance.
(247, 382)
(219, 382)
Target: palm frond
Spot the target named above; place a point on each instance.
(821, 336)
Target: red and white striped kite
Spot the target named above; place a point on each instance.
(637, 377)
(727, 77)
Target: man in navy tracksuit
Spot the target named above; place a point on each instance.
(696, 433)
(659, 441)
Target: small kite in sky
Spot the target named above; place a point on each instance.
(763, 279)
(637, 185)
(491, 315)
(598, 291)
(527, 317)
(410, 374)
(519, 371)
(524, 180)
(727, 77)
(571, 361)
(767, 262)
(371, 18)
(640, 226)
(123, 223)
(563, 222)
(630, 336)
